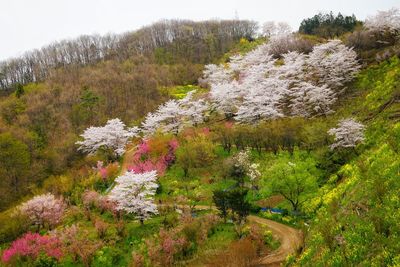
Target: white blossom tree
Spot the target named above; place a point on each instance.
(173, 115)
(193, 111)
(262, 102)
(44, 210)
(242, 162)
(271, 28)
(256, 86)
(384, 21)
(308, 100)
(166, 118)
(225, 97)
(114, 135)
(216, 74)
(134, 193)
(151, 123)
(332, 64)
(348, 133)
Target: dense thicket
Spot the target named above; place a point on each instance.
(168, 41)
(328, 25)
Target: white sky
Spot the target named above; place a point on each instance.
(29, 24)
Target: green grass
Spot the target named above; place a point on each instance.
(222, 237)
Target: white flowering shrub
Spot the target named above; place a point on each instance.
(348, 133)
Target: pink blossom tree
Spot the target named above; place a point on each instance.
(44, 210)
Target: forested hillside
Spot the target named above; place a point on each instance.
(86, 81)
(205, 144)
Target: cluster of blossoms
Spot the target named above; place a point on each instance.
(242, 161)
(384, 21)
(134, 193)
(257, 86)
(174, 115)
(43, 210)
(146, 159)
(32, 245)
(348, 133)
(113, 135)
(170, 117)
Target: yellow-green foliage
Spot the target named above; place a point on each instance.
(242, 48)
(358, 209)
(382, 82)
(179, 92)
(59, 185)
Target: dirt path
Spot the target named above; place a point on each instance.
(289, 238)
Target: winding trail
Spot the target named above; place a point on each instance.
(290, 239)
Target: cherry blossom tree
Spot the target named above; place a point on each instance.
(134, 193)
(193, 111)
(216, 74)
(173, 115)
(263, 88)
(151, 123)
(166, 118)
(43, 210)
(332, 64)
(225, 97)
(271, 28)
(242, 166)
(262, 103)
(114, 135)
(308, 99)
(384, 21)
(348, 133)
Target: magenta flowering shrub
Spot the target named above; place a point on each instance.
(31, 245)
(147, 166)
(154, 154)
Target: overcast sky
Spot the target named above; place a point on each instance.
(29, 24)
